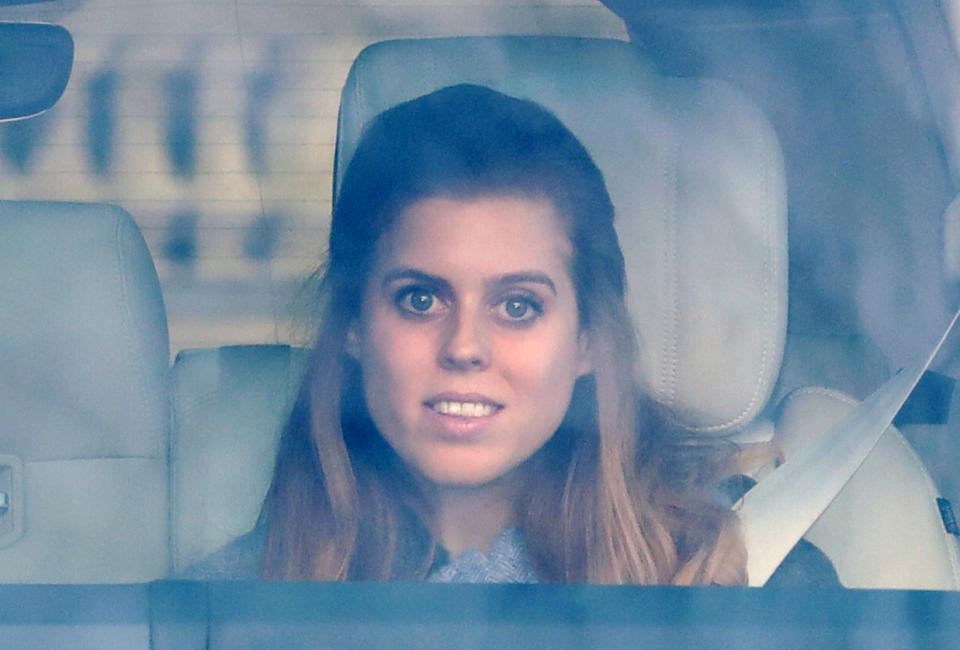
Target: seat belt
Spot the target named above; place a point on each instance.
(780, 509)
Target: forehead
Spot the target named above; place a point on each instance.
(486, 235)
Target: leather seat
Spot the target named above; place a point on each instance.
(83, 397)
(229, 406)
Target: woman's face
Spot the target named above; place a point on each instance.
(469, 339)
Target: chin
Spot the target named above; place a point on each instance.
(462, 476)
(462, 479)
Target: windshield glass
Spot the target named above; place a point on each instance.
(215, 126)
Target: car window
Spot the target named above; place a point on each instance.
(215, 129)
(214, 125)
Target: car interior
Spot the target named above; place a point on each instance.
(773, 278)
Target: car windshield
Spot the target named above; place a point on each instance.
(214, 125)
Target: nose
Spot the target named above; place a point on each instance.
(465, 346)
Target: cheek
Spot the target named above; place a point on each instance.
(394, 355)
(541, 364)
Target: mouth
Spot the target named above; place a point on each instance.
(472, 406)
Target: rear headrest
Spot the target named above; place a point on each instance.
(83, 334)
(695, 173)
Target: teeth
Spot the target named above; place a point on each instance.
(463, 409)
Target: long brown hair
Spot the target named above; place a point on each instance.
(342, 505)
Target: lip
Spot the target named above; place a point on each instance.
(458, 427)
(476, 398)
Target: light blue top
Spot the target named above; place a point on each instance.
(508, 562)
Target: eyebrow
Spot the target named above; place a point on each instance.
(406, 273)
(536, 277)
(519, 277)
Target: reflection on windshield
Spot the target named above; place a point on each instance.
(218, 137)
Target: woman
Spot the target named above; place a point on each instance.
(469, 412)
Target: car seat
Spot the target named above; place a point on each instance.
(83, 397)
(696, 175)
(229, 407)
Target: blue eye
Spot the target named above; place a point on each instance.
(519, 309)
(516, 308)
(417, 300)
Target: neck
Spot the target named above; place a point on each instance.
(472, 517)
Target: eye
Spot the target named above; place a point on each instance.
(519, 309)
(418, 301)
